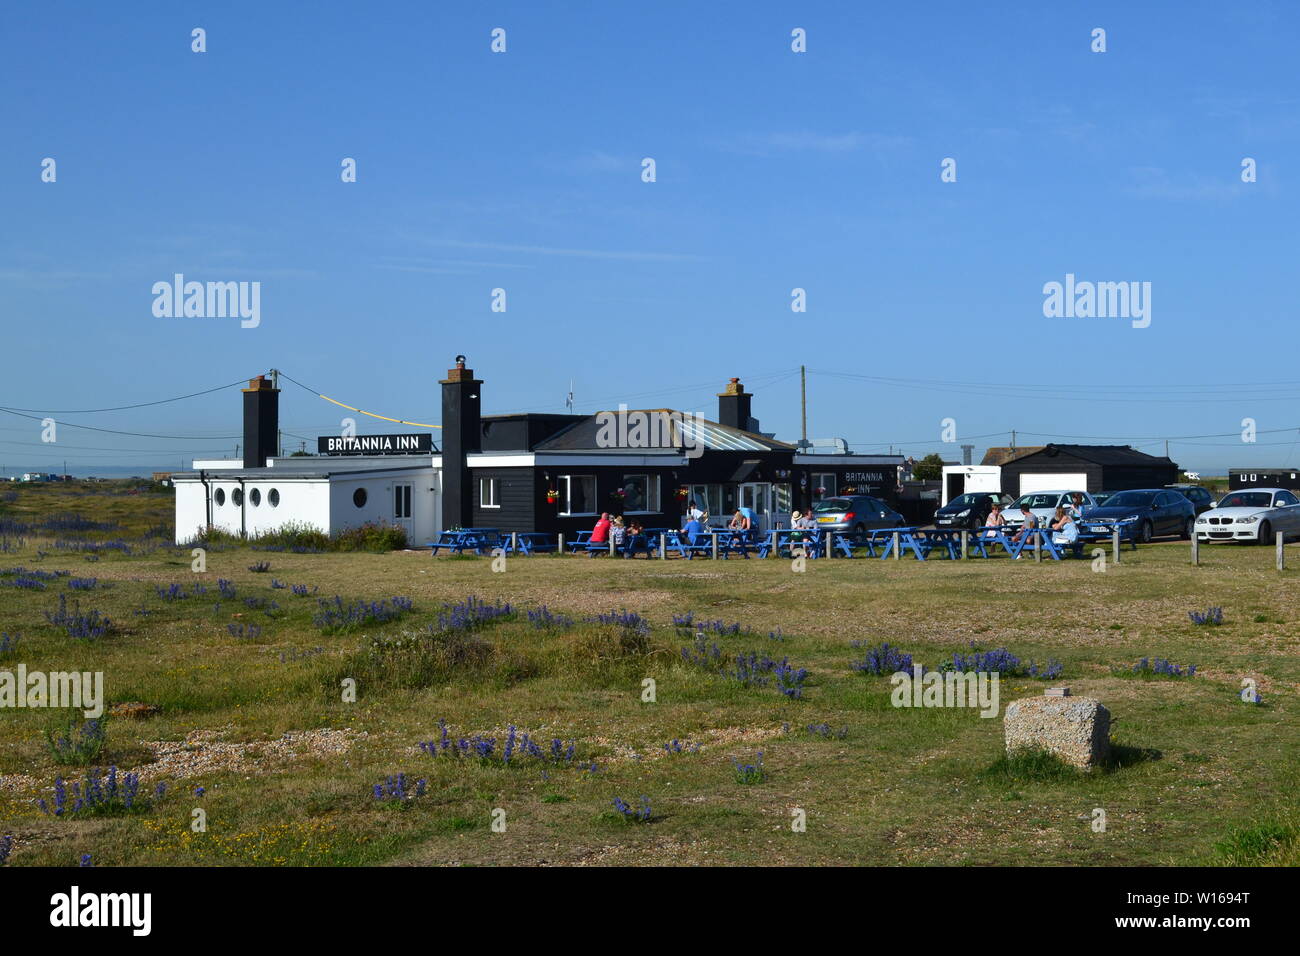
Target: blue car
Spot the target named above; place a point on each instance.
(1156, 512)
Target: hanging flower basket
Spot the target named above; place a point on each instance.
(552, 496)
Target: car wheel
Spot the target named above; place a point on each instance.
(1265, 534)
(1145, 532)
(860, 533)
(978, 521)
(1189, 528)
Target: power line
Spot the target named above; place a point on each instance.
(119, 408)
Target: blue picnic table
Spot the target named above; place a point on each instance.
(458, 539)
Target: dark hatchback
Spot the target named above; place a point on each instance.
(970, 510)
(1200, 498)
(1157, 511)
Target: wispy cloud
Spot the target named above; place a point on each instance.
(807, 141)
(1156, 182)
(621, 254)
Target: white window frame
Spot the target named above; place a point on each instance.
(489, 493)
(566, 497)
(652, 500)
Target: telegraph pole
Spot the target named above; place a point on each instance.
(803, 408)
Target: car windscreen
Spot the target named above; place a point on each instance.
(836, 505)
(966, 501)
(1131, 499)
(1037, 501)
(1249, 499)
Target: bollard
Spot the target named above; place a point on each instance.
(1196, 549)
(561, 537)
(828, 544)
(1038, 548)
(663, 546)
(773, 552)
(897, 546)
(514, 542)
(964, 539)
(1114, 544)
(1281, 552)
(611, 545)
(715, 545)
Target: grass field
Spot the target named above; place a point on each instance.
(247, 687)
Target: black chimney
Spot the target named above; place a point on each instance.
(462, 432)
(733, 406)
(261, 422)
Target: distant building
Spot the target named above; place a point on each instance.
(1086, 468)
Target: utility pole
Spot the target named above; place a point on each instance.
(1166, 447)
(1013, 439)
(803, 408)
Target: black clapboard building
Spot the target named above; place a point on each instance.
(1239, 478)
(553, 473)
(1088, 468)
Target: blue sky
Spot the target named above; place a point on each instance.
(775, 170)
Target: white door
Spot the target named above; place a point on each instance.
(757, 495)
(402, 508)
(1066, 482)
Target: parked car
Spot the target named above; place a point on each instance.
(1101, 497)
(1043, 504)
(1200, 498)
(1253, 514)
(970, 510)
(856, 513)
(1156, 511)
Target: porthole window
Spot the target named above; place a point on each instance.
(273, 497)
(359, 497)
(237, 497)
(220, 497)
(255, 496)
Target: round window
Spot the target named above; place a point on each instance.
(273, 497)
(255, 497)
(359, 497)
(220, 497)
(237, 497)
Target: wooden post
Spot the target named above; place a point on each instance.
(897, 547)
(828, 545)
(1114, 544)
(561, 539)
(514, 542)
(773, 551)
(1196, 549)
(1038, 546)
(1281, 550)
(714, 535)
(663, 546)
(611, 543)
(964, 540)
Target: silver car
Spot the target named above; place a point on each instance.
(1043, 505)
(855, 513)
(1255, 515)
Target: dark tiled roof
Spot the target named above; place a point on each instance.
(1001, 454)
(1104, 454)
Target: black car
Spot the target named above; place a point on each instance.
(970, 510)
(1200, 498)
(1157, 512)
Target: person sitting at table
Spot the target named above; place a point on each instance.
(1029, 527)
(752, 517)
(617, 533)
(1077, 504)
(1066, 531)
(739, 521)
(996, 519)
(695, 527)
(635, 539)
(693, 511)
(600, 533)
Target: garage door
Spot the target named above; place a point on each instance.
(1053, 482)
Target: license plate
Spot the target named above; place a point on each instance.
(826, 520)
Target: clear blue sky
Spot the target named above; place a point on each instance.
(775, 170)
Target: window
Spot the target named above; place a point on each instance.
(640, 493)
(488, 491)
(1285, 498)
(359, 497)
(401, 501)
(709, 498)
(273, 497)
(823, 484)
(237, 497)
(255, 497)
(782, 499)
(220, 497)
(577, 494)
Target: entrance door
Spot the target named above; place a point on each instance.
(757, 495)
(402, 508)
